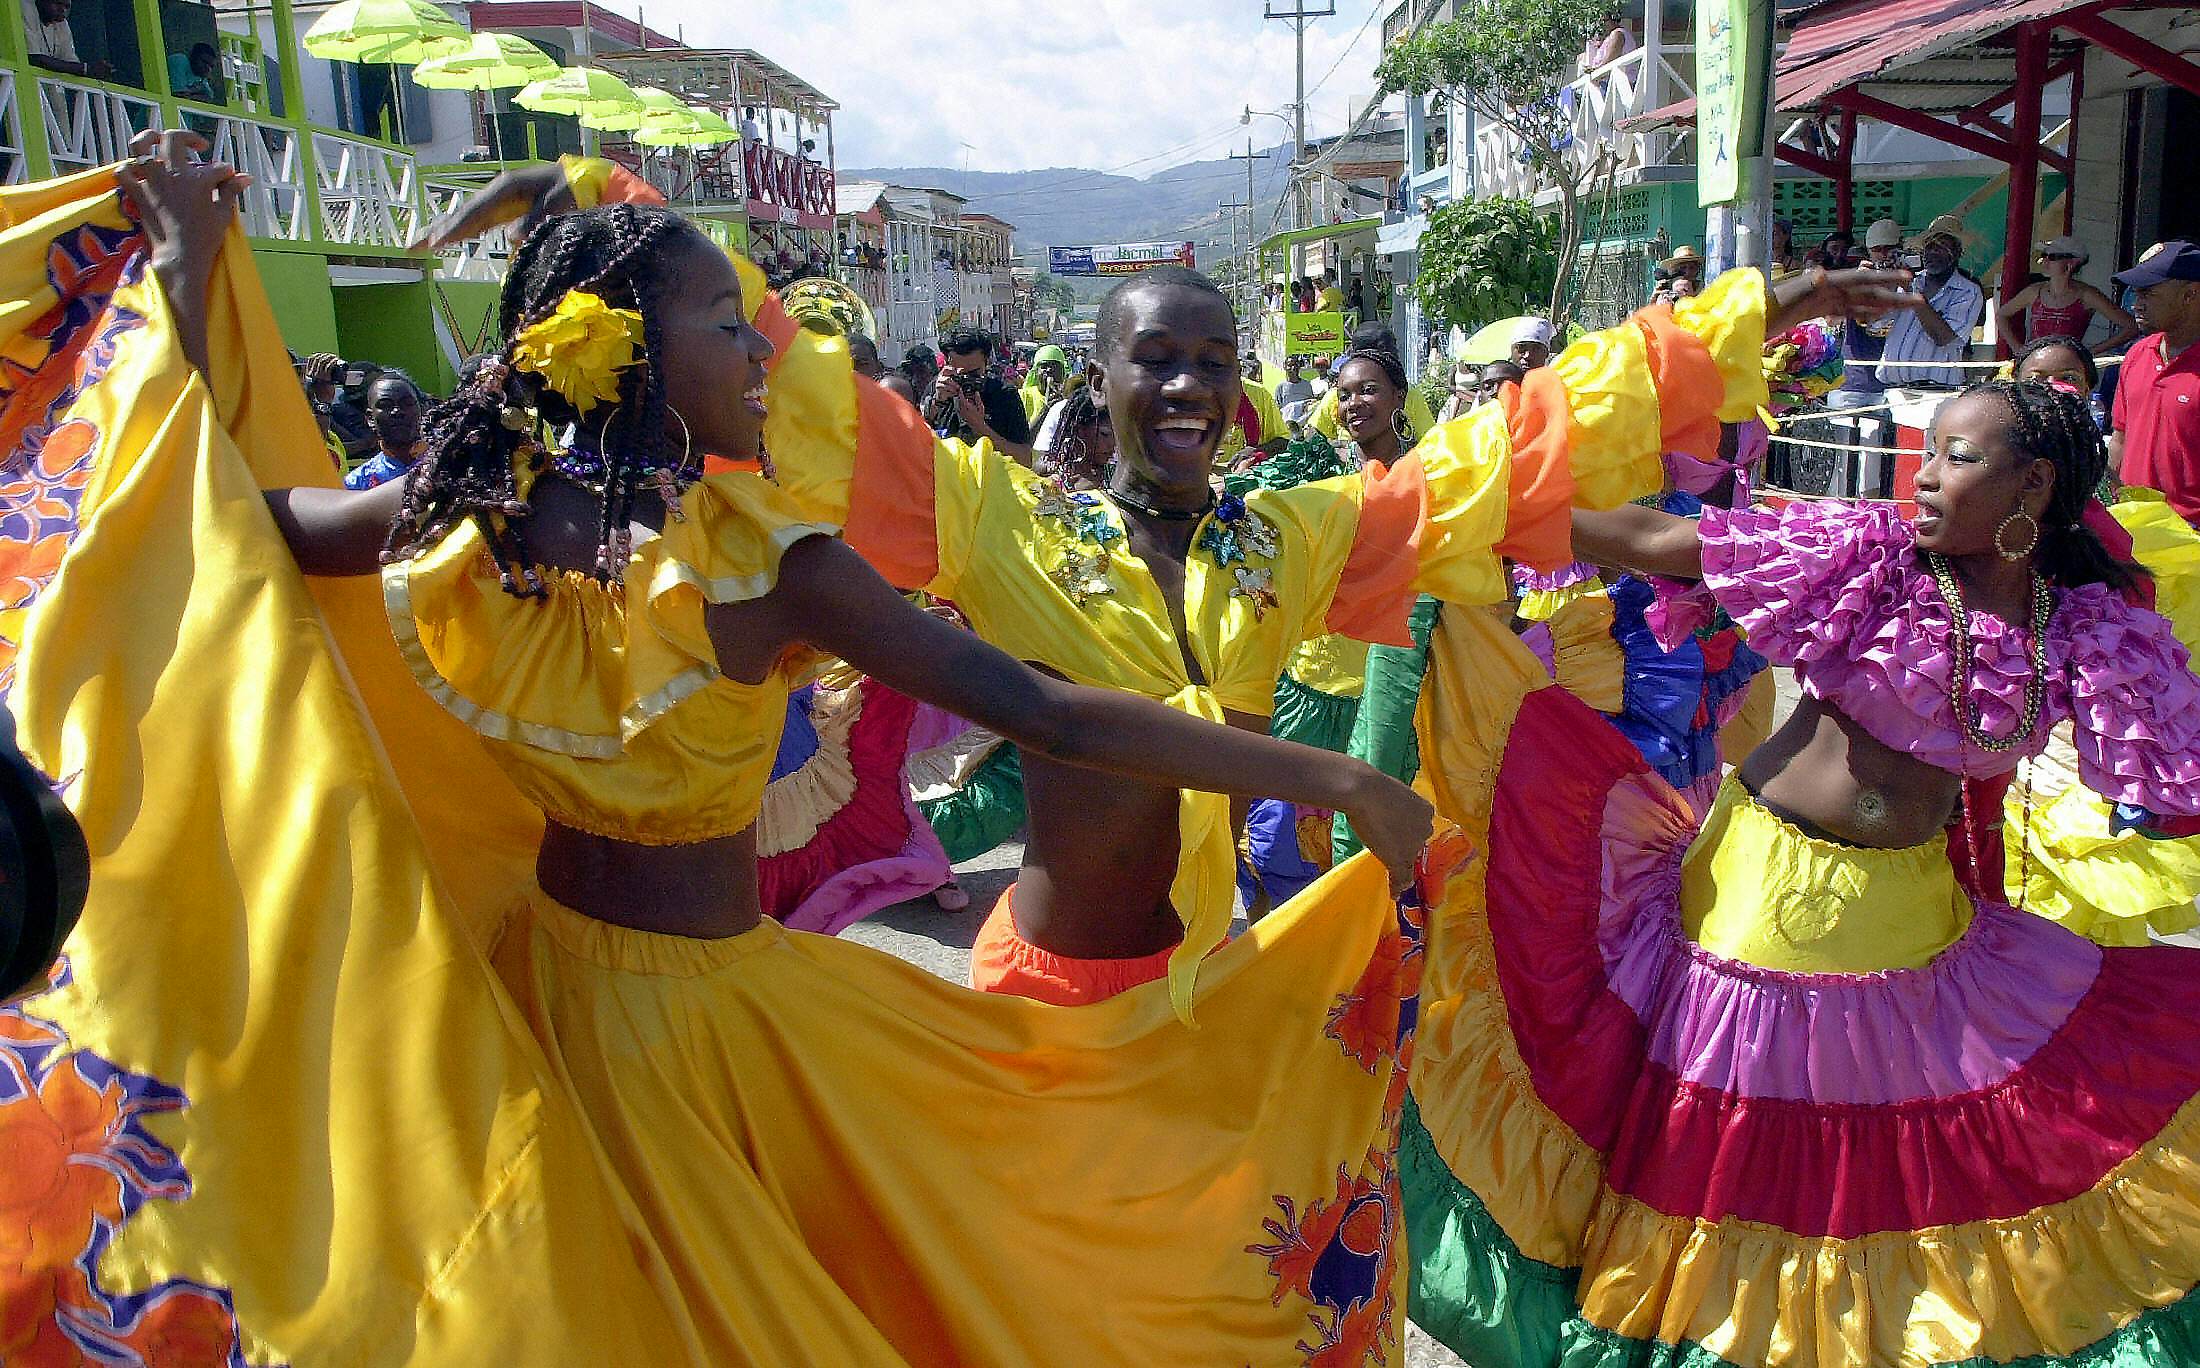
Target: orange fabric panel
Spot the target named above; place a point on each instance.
(777, 325)
(1690, 388)
(1375, 592)
(1539, 531)
(624, 187)
(1002, 961)
(890, 501)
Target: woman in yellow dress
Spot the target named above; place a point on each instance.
(398, 1010)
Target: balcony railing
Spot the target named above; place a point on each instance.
(91, 125)
(481, 258)
(369, 192)
(1594, 107)
(275, 205)
(794, 189)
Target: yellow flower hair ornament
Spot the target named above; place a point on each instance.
(580, 348)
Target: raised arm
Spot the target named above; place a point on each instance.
(507, 199)
(829, 597)
(1639, 538)
(2011, 310)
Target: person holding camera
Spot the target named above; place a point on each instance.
(970, 403)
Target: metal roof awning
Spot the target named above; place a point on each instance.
(1297, 237)
(1402, 236)
(1849, 42)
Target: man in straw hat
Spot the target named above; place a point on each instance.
(1934, 324)
(1680, 275)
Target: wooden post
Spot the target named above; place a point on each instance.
(1844, 185)
(288, 54)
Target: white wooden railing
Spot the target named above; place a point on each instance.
(275, 205)
(1596, 104)
(482, 258)
(369, 192)
(88, 125)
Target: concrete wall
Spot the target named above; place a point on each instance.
(298, 288)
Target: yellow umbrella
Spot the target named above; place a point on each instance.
(384, 31)
(655, 104)
(1492, 342)
(581, 91)
(490, 61)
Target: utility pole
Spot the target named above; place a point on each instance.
(1298, 16)
(1252, 293)
(1231, 207)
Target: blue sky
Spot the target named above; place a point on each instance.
(1097, 83)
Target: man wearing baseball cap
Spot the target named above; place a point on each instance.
(1862, 343)
(1933, 325)
(2156, 442)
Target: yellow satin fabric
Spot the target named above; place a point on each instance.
(997, 559)
(1272, 426)
(773, 1149)
(1756, 889)
(378, 1152)
(1336, 665)
(991, 1180)
(605, 704)
(1587, 660)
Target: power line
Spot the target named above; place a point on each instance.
(1373, 10)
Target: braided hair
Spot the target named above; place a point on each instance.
(2056, 426)
(1394, 371)
(475, 436)
(1072, 456)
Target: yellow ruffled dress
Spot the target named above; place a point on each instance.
(328, 1079)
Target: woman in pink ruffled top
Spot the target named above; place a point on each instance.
(1773, 1088)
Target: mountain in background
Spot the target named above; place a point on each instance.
(1071, 207)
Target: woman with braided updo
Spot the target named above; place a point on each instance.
(1790, 1087)
(819, 1154)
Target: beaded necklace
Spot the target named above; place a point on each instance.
(1966, 710)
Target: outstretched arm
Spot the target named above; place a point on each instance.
(507, 199)
(1640, 538)
(829, 597)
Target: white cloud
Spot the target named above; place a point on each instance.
(1095, 83)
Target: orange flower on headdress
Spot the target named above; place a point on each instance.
(581, 348)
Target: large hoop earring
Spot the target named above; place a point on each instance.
(1398, 425)
(687, 439)
(2001, 532)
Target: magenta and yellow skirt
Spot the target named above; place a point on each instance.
(1630, 1150)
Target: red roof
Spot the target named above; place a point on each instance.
(511, 14)
(1851, 41)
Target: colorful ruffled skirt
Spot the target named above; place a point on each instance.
(838, 837)
(1629, 1150)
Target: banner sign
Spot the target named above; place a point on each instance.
(1118, 258)
(1722, 42)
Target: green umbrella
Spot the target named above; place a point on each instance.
(384, 31)
(655, 105)
(696, 127)
(581, 91)
(491, 61)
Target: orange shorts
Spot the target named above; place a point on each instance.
(1002, 961)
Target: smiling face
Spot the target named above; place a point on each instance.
(1367, 403)
(1975, 476)
(1168, 377)
(713, 359)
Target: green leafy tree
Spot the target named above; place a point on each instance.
(1507, 60)
(1482, 260)
(1051, 291)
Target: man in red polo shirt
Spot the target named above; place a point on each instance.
(2157, 416)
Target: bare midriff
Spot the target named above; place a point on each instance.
(1830, 777)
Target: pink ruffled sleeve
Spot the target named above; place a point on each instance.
(2134, 702)
(1809, 582)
